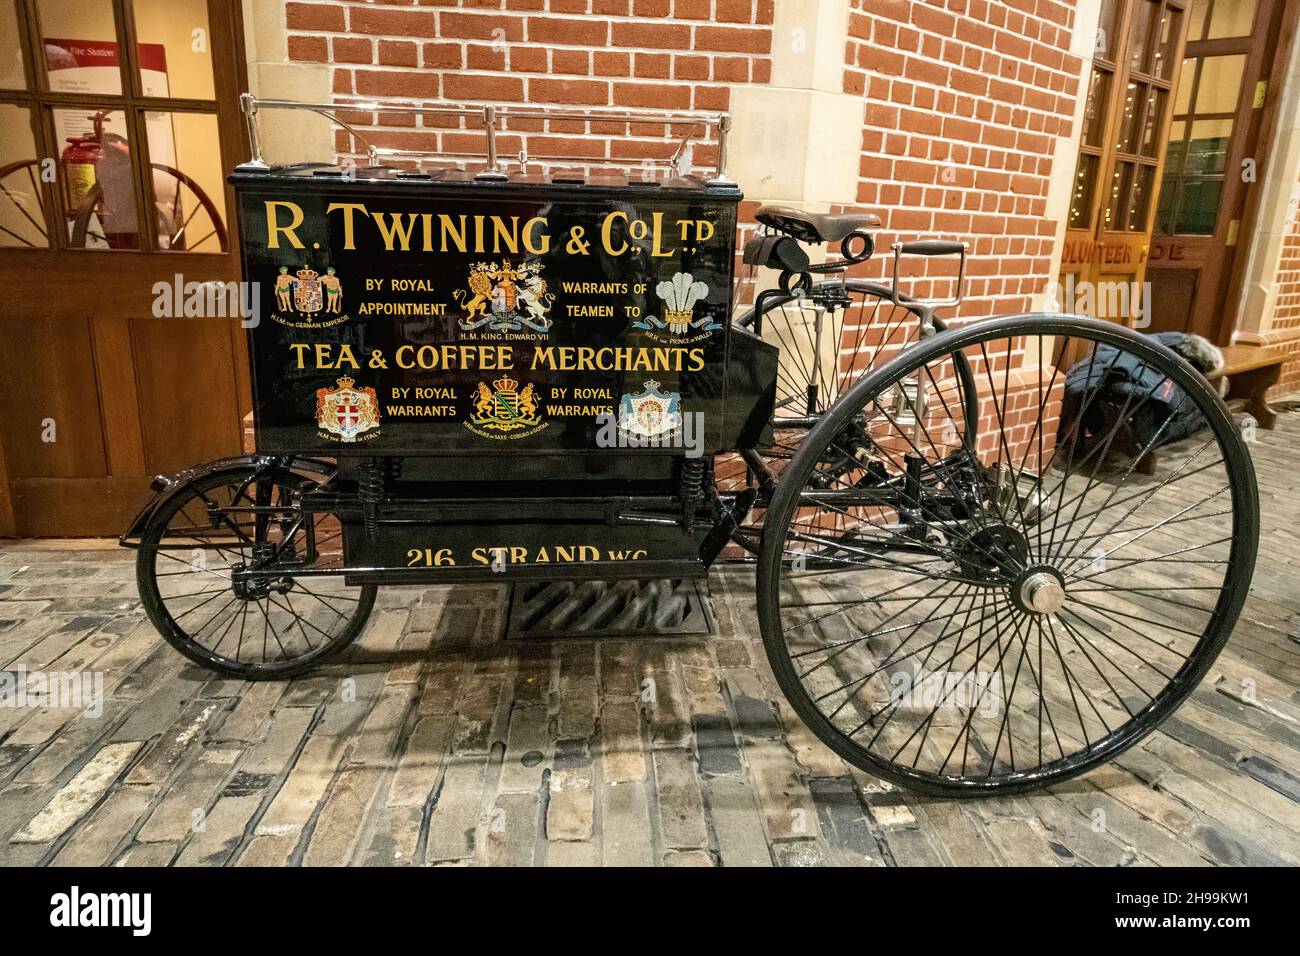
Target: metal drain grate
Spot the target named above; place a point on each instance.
(610, 608)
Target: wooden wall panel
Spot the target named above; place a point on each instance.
(51, 375)
(188, 407)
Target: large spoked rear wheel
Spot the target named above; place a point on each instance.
(968, 611)
(220, 571)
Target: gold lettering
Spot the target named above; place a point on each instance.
(658, 232)
(274, 229)
(511, 238)
(449, 231)
(349, 234)
(536, 239)
(607, 234)
(394, 232)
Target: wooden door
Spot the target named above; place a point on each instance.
(118, 122)
(1214, 157)
(1125, 127)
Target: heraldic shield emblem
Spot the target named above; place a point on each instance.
(308, 294)
(650, 414)
(504, 408)
(347, 411)
(506, 298)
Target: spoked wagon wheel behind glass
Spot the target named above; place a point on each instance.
(828, 338)
(221, 573)
(968, 611)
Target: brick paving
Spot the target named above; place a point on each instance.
(435, 741)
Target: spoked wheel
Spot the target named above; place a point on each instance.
(22, 220)
(829, 338)
(187, 218)
(963, 611)
(220, 571)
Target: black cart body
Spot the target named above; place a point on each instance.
(550, 364)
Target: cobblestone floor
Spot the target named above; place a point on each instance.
(434, 741)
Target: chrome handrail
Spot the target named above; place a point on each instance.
(490, 116)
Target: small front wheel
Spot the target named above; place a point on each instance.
(236, 576)
(966, 611)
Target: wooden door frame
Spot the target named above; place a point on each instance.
(1094, 268)
(1213, 310)
(226, 22)
(118, 275)
(1252, 213)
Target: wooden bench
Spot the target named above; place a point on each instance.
(1251, 371)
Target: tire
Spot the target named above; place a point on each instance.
(984, 526)
(180, 520)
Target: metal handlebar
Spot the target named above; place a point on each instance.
(490, 116)
(929, 248)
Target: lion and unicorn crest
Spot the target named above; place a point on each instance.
(506, 298)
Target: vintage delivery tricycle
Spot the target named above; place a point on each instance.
(973, 574)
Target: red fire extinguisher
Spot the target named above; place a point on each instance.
(79, 160)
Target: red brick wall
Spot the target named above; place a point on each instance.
(1285, 331)
(644, 54)
(964, 98)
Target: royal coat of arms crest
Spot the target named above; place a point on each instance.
(308, 292)
(650, 414)
(506, 298)
(347, 411)
(505, 407)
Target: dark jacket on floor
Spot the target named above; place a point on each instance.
(1152, 398)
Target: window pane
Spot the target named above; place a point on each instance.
(1094, 111)
(188, 190)
(1207, 152)
(98, 184)
(1165, 206)
(22, 220)
(1198, 207)
(175, 48)
(1119, 183)
(1140, 35)
(1220, 84)
(1231, 18)
(1085, 178)
(1166, 35)
(1105, 46)
(1196, 19)
(1140, 198)
(1129, 118)
(1183, 94)
(1174, 156)
(1155, 114)
(80, 46)
(11, 52)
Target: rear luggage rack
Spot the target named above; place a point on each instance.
(491, 117)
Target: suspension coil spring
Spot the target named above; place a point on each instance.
(370, 489)
(393, 468)
(692, 487)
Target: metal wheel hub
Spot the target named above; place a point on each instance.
(1039, 590)
(995, 549)
(250, 587)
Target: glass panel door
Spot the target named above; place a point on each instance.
(1126, 119)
